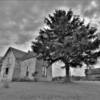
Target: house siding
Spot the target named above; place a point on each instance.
(43, 76)
(8, 61)
(28, 65)
(39, 65)
(49, 73)
(17, 70)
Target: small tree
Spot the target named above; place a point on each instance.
(68, 39)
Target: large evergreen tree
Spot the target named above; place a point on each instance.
(68, 39)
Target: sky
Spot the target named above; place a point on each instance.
(58, 71)
(20, 20)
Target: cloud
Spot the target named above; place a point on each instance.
(92, 5)
(91, 9)
(20, 20)
(23, 38)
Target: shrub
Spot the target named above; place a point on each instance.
(6, 83)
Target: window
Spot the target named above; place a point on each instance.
(6, 70)
(44, 71)
(27, 72)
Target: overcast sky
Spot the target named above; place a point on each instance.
(20, 20)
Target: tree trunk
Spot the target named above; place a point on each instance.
(67, 77)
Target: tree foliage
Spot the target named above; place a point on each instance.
(68, 39)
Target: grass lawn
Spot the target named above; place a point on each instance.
(51, 91)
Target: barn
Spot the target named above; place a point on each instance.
(93, 74)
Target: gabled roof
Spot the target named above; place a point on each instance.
(29, 55)
(20, 55)
(17, 53)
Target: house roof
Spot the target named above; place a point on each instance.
(19, 54)
(94, 71)
(29, 55)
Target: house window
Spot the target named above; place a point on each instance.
(44, 71)
(6, 70)
(27, 72)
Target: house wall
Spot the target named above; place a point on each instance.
(28, 64)
(49, 73)
(17, 70)
(39, 69)
(8, 61)
(39, 65)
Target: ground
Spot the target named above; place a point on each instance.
(51, 91)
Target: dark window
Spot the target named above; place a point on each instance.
(7, 70)
(27, 72)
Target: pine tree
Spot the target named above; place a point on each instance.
(67, 39)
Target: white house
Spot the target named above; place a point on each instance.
(17, 64)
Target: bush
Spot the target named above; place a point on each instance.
(6, 83)
(25, 79)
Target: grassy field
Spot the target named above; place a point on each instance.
(51, 91)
